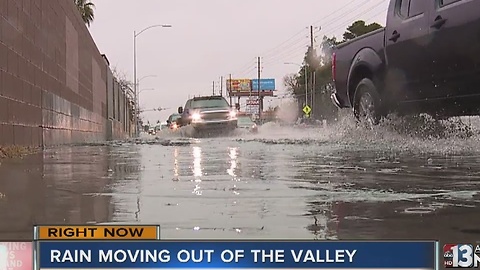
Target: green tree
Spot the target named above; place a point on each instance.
(319, 66)
(85, 7)
(359, 28)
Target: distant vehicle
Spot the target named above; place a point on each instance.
(245, 122)
(152, 131)
(172, 121)
(160, 127)
(426, 60)
(208, 113)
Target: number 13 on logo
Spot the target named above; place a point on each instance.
(461, 256)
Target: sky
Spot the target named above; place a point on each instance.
(214, 38)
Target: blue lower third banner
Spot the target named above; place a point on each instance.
(237, 254)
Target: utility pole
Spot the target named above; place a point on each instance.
(305, 72)
(260, 97)
(230, 89)
(312, 93)
(221, 86)
(213, 88)
(311, 36)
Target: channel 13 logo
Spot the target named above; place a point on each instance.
(461, 256)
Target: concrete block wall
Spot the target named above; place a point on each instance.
(53, 79)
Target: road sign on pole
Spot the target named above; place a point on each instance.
(307, 110)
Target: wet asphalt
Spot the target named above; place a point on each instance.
(337, 182)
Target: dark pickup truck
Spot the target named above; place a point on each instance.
(426, 60)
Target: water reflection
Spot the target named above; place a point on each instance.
(62, 186)
(175, 164)
(130, 181)
(197, 169)
(233, 154)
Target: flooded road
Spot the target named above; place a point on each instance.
(338, 182)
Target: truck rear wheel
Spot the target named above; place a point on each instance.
(367, 106)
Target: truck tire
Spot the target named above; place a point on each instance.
(367, 105)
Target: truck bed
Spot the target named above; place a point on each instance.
(345, 55)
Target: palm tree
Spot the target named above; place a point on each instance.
(85, 7)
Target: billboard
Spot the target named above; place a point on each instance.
(249, 87)
(239, 85)
(265, 85)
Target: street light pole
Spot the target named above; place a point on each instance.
(137, 109)
(135, 82)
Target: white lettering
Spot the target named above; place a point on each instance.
(105, 256)
(255, 253)
(227, 256)
(272, 255)
(138, 255)
(73, 256)
(239, 253)
(120, 255)
(185, 258)
(296, 257)
(328, 256)
(54, 256)
(340, 255)
(14, 264)
(350, 254)
(308, 256)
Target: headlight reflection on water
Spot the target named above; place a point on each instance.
(175, 164)
(197, 169)
(233, 162)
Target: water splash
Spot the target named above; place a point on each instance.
(419, 133)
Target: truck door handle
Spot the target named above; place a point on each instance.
(395, 36)
(439, 22)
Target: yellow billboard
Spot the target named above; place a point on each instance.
(239, 85)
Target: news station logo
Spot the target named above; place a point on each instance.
(461, 256)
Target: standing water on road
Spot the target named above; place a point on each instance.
(337, 182)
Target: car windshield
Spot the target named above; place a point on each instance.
(174, 117)
(209, 103)
(244, 120)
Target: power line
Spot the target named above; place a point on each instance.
(351, 19)
(306, 28)
(285, 54)
(290, 44)
(350, 11)
(289, 47)
(288, 53)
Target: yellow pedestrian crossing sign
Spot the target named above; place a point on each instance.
(307, 109)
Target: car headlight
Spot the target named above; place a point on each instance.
(233, 114)
(196, 117)
(175, 126)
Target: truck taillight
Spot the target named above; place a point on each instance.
(334, 66)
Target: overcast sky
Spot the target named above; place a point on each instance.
(213, 38)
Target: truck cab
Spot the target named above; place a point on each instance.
(208, 113)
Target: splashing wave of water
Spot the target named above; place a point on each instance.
(419, 133)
